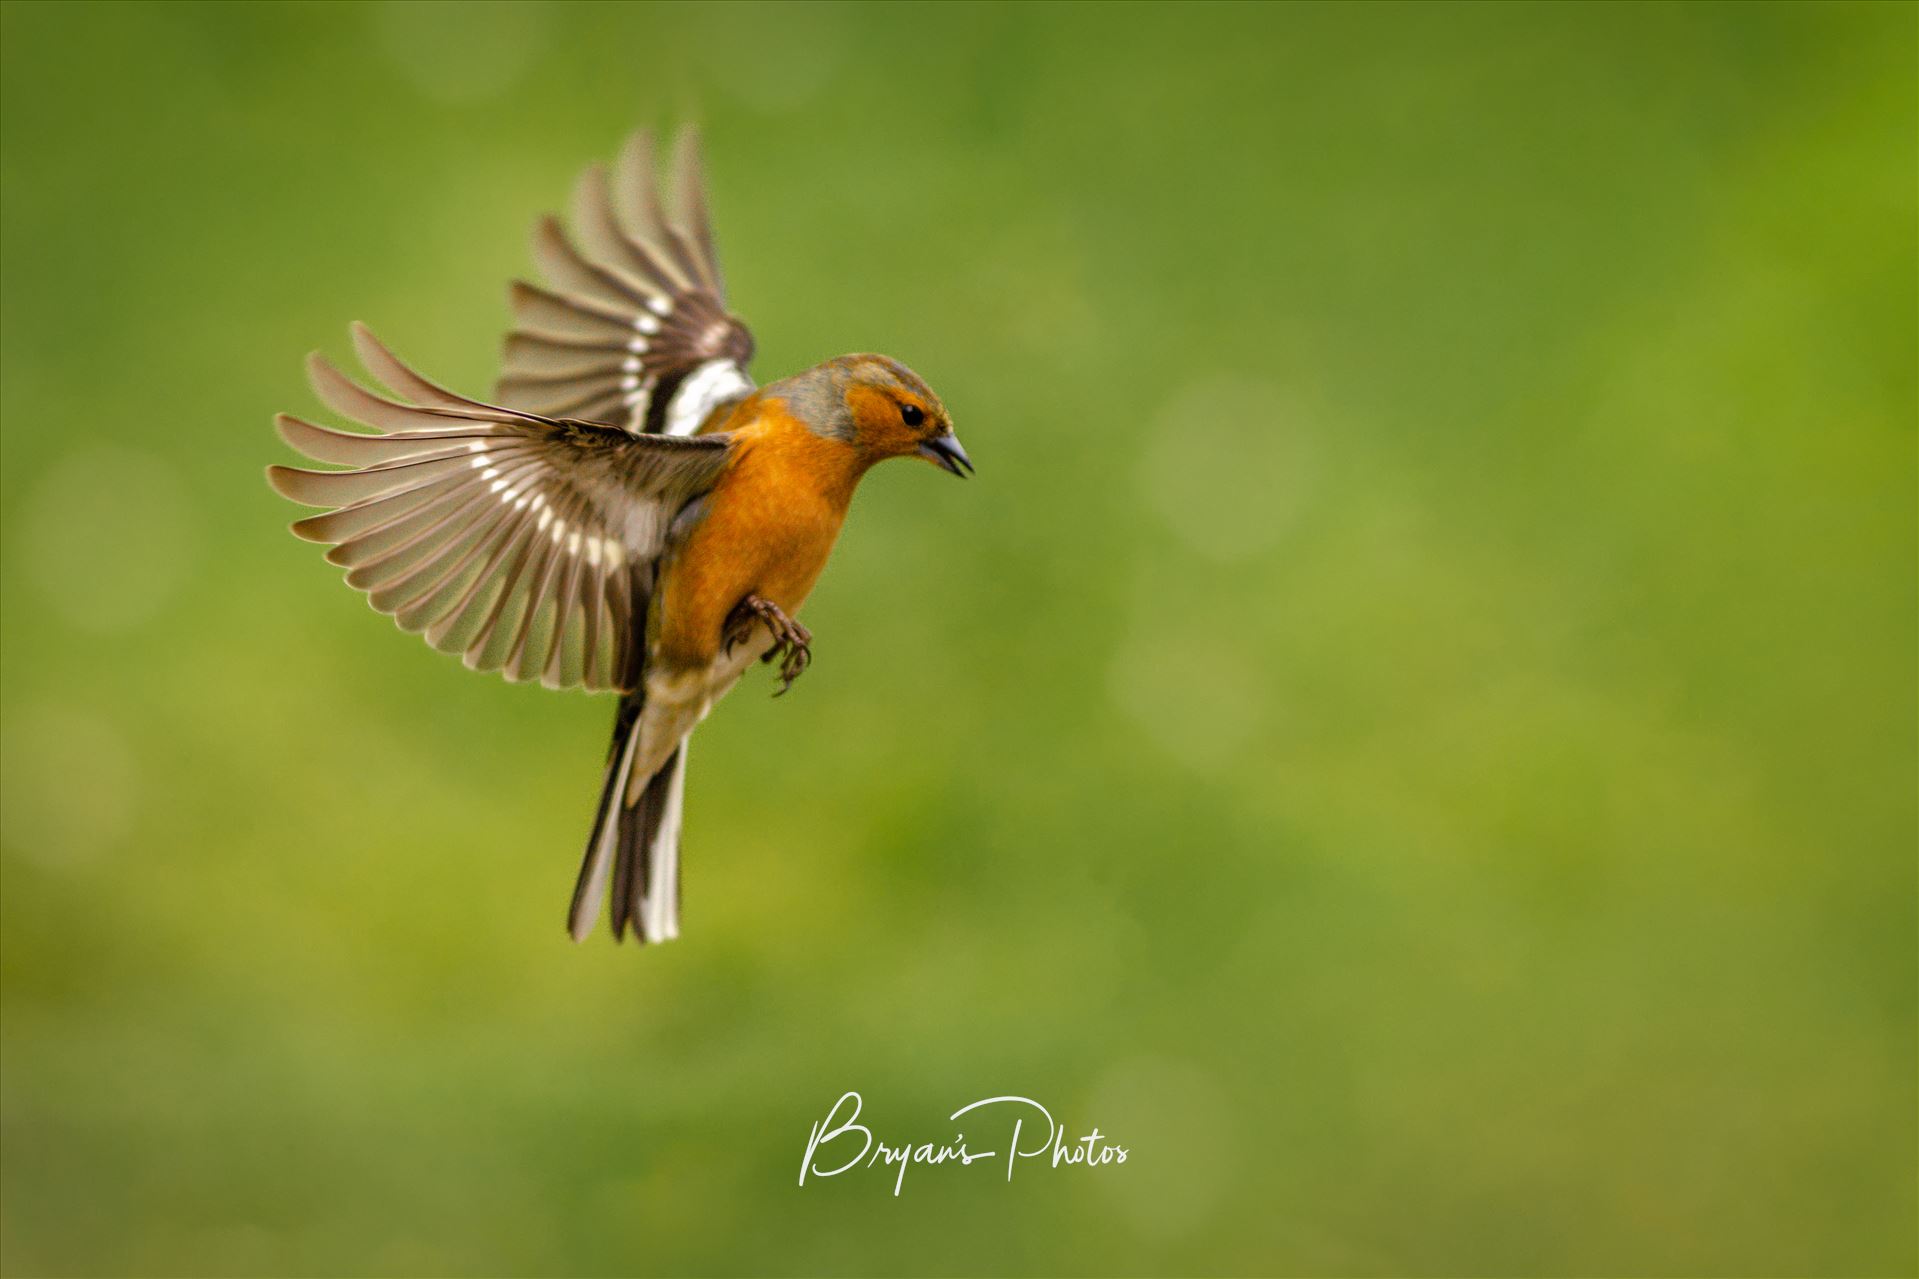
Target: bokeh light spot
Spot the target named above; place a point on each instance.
(1193, 690)
(1177, 1126)
(811, 40)
(71, 785)
(1227, 465)
(457, 52)
(106, 535)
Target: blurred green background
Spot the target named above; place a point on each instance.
(1411, 731)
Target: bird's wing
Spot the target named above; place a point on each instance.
(525, 543)
(632, 326)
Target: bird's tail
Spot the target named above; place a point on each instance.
(636, 844)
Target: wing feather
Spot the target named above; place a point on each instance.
(533, 355)
(575, 276)
(566, 317)
(598, 223)
(632, 325)
(634, 201)
(523, 542)
(397, 377)
(690, 183)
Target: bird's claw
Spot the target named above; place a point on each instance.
(792, 643)
(791, 666)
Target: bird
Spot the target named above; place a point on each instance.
(629, 513)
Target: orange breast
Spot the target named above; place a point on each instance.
(770, 524)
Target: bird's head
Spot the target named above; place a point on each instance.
(880, 407)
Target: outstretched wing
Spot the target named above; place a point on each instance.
(632, 327)
(525, 543)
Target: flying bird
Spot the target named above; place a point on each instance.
(628, 513)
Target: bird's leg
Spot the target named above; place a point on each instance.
(792, 643)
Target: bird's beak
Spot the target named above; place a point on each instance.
(945, 451)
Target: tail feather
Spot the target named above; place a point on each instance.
(621, 911)
(637, 845)
(644, 892)
(656, 881)
(590, 889)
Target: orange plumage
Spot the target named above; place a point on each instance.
(772, 521)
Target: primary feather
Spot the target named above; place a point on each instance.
(523, 542)
(632, 327)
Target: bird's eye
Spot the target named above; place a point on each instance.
(911, 414)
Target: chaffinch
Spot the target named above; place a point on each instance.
(629, 514)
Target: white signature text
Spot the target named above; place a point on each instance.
(1018, 1128)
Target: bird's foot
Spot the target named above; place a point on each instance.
(792, 643)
